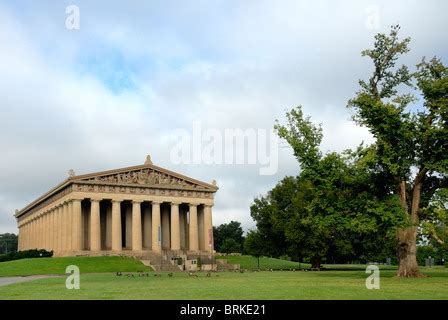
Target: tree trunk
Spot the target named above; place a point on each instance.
(315, 263)
(407, 248)
(407, 238)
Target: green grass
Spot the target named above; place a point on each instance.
(250, 263)
(355, 267)
(97, 283)
(58, 265)
(231, 285)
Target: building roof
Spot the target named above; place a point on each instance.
(146, 175)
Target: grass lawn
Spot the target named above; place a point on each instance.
(25, 267)
(97, 283)
(231, 285)
(251, 263)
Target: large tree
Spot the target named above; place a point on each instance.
(226, 232)
(411, 147)
(331, 211)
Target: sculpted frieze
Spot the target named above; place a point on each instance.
(144, 177)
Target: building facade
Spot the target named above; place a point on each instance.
(130, 210)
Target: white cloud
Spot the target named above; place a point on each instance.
(228, 64)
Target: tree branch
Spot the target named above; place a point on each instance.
(437, 238)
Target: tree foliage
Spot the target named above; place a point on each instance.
(331, 211)
(360, 203)
(229, 235)
(411, 148)
(8, 242)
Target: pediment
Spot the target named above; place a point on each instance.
(147, 175)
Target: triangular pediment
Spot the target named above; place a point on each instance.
(146, 175)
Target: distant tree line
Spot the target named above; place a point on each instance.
(8, 243)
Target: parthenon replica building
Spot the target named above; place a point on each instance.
(131, 210)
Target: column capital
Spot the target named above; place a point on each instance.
(192, 204)
(176, 203)
(95, 199)
(116, 201)
(137, 201)
(207, 205)
(156, 202)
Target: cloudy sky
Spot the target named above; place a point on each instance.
(108, 94)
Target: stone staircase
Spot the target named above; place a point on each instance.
(223, 265)
(158, 262)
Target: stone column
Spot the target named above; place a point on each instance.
(77, 225)
(137, 240)
(28, 244)
(35, 239)
(36, 232)
(60, 230)
(60, 225)
(109, 227)
(201, 228)
(28, 237)
(116, 226)
(21, 237)
(156, 227)
(166, 238)
(48, 230)
(65, 232)
(32, 243)
(40, 233)
(95, 227)
(25, 238)
(208, 228)
(193, 230)
(57, 212)
(175, 228)
(182, 224)
(128, 227)
(52, 228)
(147, 226)
(34, 246)
(44, 231)
(59, 233)
(69, 225)
(55, 228)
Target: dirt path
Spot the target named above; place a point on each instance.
(4, 281)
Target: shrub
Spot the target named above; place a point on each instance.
(424, 252)
(285, 257)
(199, 262)
(230, 245)
(34, 253)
